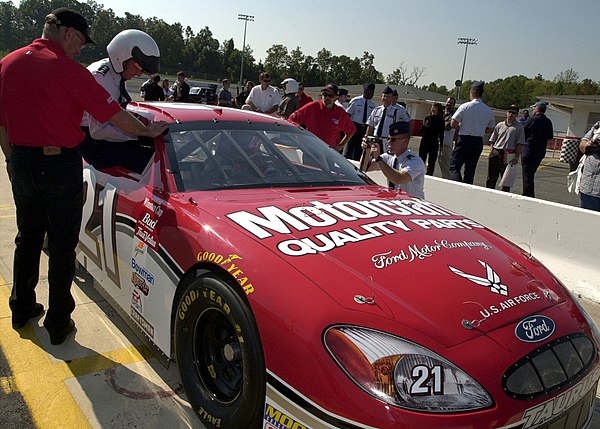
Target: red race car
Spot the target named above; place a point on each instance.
(295, 293)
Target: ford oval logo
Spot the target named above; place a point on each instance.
(534, 329)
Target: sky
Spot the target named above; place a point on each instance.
(527, 37)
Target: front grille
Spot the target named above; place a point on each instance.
(575, 417)
(551, 367)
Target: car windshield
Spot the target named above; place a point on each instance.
(233, 155)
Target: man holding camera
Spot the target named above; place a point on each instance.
(589, 188)
(403, 169)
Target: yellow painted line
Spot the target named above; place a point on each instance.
(102, 361)
(6, 385)
(548, 165)
(41, 382)
(8, 216)
(6, 206)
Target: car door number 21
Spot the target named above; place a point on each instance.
(100, 248)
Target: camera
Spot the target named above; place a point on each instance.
(593, 149)
(372, 139)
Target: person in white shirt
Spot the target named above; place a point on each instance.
(473, 120)
(507, 142)
(404, 170)
(130, 53)
(383, 116)
(359, 109)
(263, 98)
(450, 135)
(342, 97)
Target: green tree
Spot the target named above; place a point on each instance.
(369, 72)
(169, 39)
(511, 90)
(345, 70)
(8, 26)
(295, 65)
(589, 87)
(201, 55)
(323, 63)
(401, 75)
(31, 14)
(276, 62)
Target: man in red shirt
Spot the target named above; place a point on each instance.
(303, 98)
(325, 119)
(39, 135)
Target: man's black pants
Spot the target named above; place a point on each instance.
(353, 149)
(48, 194)
(466, 152)
(529, 165)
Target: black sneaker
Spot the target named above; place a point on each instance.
(20, 322)
(61, 335)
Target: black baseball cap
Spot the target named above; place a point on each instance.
(399, 128)
(70, 18)
(331, 88)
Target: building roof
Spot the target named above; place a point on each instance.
(571, 101)
(405, 93)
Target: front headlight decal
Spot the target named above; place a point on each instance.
(403, 373)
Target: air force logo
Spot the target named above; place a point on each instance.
(492, 280)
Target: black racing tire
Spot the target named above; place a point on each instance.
(220, 355)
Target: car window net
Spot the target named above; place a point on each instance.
(247, 158)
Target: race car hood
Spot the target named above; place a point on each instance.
(395, 256)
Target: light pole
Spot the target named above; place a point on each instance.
(244, 18)
(464, 41)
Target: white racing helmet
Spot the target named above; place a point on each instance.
(137, 45)
(289, 85)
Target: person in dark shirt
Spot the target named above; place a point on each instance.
(538, 132)
(240, 100)
(181, 89)
(154, 92)
(433, 135)
(224, 97)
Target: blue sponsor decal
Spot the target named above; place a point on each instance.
(535, 329)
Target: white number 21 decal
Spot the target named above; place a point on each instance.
(98, 213)
(428, 380)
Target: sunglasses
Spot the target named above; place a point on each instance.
(266, 80)
(327, 95)
(80, 36)
(510, 112)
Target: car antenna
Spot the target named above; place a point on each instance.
(370, 300)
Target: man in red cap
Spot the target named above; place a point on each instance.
(39, 135)
(325, 119)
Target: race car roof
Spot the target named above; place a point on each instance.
(183, 112)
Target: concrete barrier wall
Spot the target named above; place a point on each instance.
(565, 239)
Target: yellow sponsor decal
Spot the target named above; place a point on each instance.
(281, 420)
(227, 262)
(205, 415)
